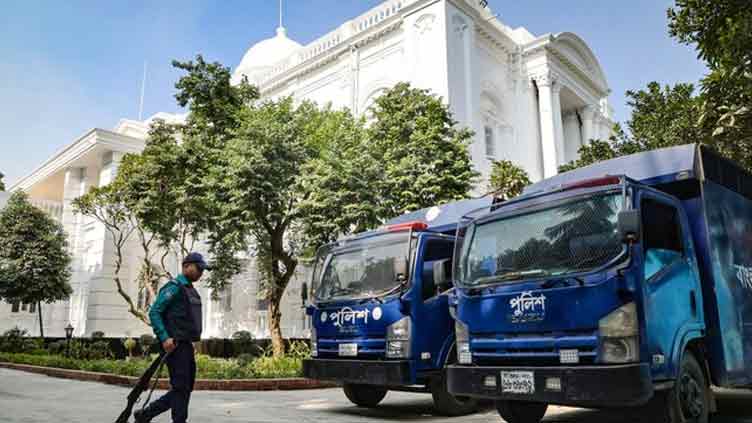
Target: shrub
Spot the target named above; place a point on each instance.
(243, 343)
(130, 345)
(245, 359)
(147, 341)
(56, 347)
(97, 334)
(277, 367)
(16, 340)
(99, 350)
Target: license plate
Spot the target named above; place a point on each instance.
(518, 383)
(348, 350)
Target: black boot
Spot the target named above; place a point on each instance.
(141, 416)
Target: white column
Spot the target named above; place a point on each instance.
(558, 124)
(572, 139)
(75, 185)
(550, 123)
(587, 113)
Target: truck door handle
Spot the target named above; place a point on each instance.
(693, 302)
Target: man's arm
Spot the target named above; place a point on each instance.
(166, 296)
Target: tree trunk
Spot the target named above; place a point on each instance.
(275, 325)
(41, 326)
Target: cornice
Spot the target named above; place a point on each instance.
(90, 140)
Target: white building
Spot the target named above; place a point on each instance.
(530, 99)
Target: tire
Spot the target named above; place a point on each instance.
(521, 412)
(449, 405)
(368, 396)
(689, 400)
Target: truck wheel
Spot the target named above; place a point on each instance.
(368, 396)
(689, 400)
(448, 404)
(521, 412)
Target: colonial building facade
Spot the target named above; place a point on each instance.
(530, 99)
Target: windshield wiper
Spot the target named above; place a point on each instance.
(521, 274)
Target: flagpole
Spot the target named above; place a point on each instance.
(143, 86)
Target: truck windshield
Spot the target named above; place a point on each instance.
(569, 238)
(362, 268)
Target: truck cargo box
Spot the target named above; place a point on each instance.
(717, 196)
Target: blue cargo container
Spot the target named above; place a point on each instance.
(380, 310)
(611, 285)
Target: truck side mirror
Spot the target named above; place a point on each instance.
(629, 224)
(400, 268)
(442, 274)
(304, 293)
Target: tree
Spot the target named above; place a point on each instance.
(304, 175)
(721, 31)
(166, 196)
(507, 180)
(423, 152)
(2, 184)
(661, 117)
(34, 258)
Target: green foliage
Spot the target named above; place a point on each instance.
(84, 350)
(56, 347)
(2, 184)
(507, 180)
(34, 258)
(721, 31)
(207, 367)
(17, 340)
(243, 344)
(661, 117)
(147, 342)
(130, 345)
(97, 334)
(424, 155)
(245, 359)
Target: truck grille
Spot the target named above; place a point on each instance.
(367, 347)
(532, 348)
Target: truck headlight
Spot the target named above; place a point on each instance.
(314, 341)
(398, 339)
(619, 336)
(462, 335)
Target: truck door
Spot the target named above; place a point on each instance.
(673, 299)
(433, 324)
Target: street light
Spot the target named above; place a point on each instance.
(68, 335)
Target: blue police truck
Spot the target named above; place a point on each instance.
(618, 284)
(379, 309)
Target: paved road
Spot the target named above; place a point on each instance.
(31, 398)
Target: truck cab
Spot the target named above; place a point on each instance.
(380, 313)
(596, 290)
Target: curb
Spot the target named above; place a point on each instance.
(287, 384)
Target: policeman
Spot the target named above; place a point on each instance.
(176, 319)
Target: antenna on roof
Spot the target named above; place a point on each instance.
(143, 85)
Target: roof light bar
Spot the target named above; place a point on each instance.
(416, 226)
(593, 182)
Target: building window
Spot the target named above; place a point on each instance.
(490, 141)
(14, 307)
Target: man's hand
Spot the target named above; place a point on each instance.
(168, 345)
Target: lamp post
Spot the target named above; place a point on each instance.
(68, 335)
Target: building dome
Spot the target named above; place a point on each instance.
(260, 58)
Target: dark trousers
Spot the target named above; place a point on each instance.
(182, 366)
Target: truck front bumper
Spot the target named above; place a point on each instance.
(383, 373)
(585, 386)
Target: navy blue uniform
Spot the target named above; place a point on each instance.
(176, 314)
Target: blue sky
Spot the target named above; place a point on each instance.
(68, 66)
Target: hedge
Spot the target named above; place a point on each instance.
(207, 367)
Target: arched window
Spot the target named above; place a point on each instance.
(497, 134)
